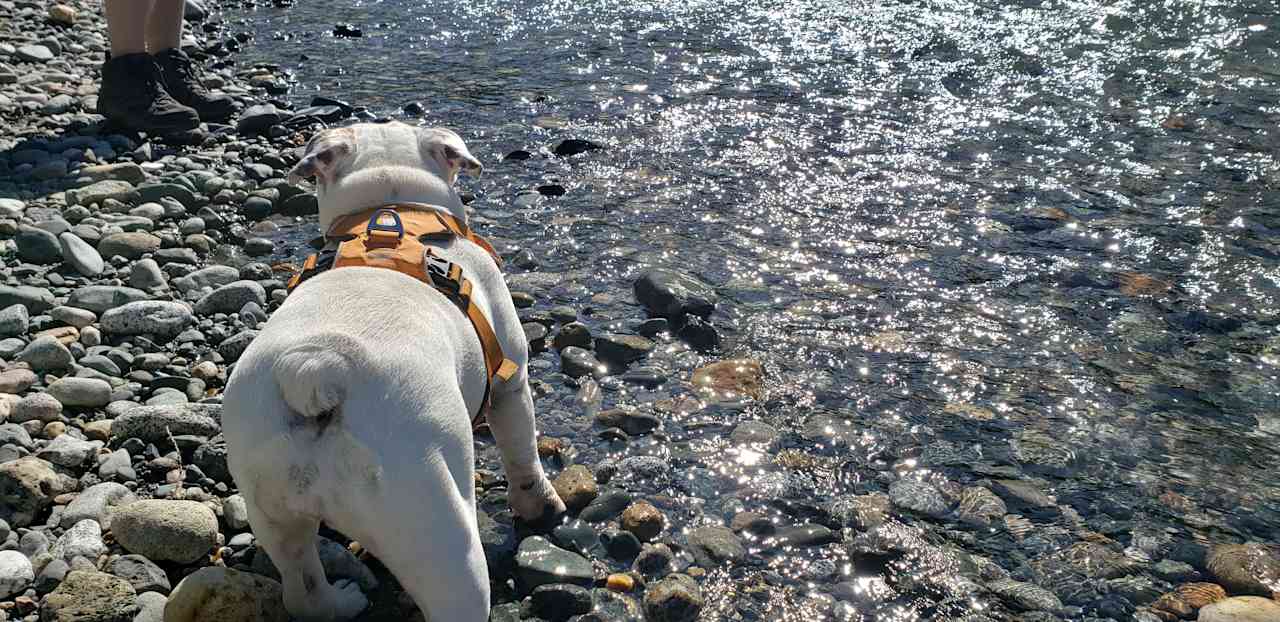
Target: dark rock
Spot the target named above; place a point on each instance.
(713, 546)
(256, 119)
(414, 109)
(538, 562)
(632, 422)
(621, 350)
(673, 599)
(606, 506)
(347, 31)
(518, 155)
(499, 542)
(574, 146)
(577, 536)
(141, 573)
(572, 334)
(560, 601)
(699, 333)
(621, 545)
(669, 294)
(577, 362)
(653, 327)
(302, 204)
(803, 535)
(536, 335)
(38, 246)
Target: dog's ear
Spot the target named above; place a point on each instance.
(449, 152)
(327, 151)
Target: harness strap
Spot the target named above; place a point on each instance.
(391, 239)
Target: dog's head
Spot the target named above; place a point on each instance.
(370, 164)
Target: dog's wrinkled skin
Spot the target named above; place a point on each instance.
(353, 406)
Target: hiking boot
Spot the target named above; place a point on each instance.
(183, 82)
(133, 95)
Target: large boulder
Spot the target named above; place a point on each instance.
(216, 594)
(165, 530)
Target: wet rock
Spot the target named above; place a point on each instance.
(1025, 596)
(699, 334)
(918, 496)
(672, 295)
(1022, 494)
(1244, 569)
(1241, 609)
(80, 254)
(673, 599)
(89, 596)
(577, 536)
(38, 246)
(576, 362)
(538, 562)
(643, 520)
(629, 421)
(572, 334)
(81, 392)
(803, 536)
(99, 502)
(16, 573)
(1038, 451)
(606, 506)
(301, 204)
(576, 486)
(622, 350)
(753, 432)
(154, 424)
(621, 545)
(1186, 599)
(574, 146)
(713, 546)
(981, 507)
(730, 379)
(179, 531)
(214, 594)
(27, 488)
(1174, 571)
(161, 318)
(654, 561)
(499, 542)
(560, 601)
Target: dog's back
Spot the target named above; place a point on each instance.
(348, 414)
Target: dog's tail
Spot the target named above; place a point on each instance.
(313, 377)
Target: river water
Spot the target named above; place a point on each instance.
(969, 241)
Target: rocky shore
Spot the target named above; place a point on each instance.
(136, 270)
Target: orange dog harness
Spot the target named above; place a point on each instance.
(395, 237)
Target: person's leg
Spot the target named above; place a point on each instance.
(127, 25)
(164, 25)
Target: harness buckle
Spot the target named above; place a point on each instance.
(384, 229)
(445, 275)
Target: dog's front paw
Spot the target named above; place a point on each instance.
(536, 501)
(348, 600)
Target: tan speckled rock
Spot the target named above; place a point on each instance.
(216, 594)
(179, 531)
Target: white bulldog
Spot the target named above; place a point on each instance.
(354, 404)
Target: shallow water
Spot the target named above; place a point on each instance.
(969, 240)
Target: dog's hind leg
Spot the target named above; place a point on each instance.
(426, 536)
(308, 596)
(511, 419)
